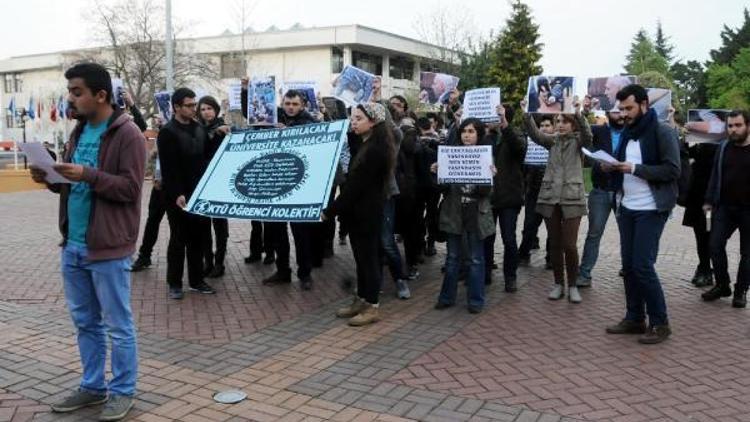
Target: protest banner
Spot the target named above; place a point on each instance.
(118, 89)
(482, 103)
(353, 86)
(261, 101)
(164, 104)
(604, 90)
(435, 88)
(550, 94)
(307, 88)
(465, 165)
(272, 175)
(660, 100)
(234, 93)
(706, 125)
(536, 155)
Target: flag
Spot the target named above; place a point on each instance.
(53, 111)
(39, 109)
(30, 111)
(12, 107)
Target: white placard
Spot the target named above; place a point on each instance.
(482, 104)
(536, 155)
(465, 165)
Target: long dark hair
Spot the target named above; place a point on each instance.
(211, 102)
(381, 136)
(478, 126)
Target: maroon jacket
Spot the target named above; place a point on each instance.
(116, 189)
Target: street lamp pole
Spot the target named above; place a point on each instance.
(169, 48)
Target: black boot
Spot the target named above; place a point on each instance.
(218, 271)
(703, 278)
(717, 292)
(740, 297)
(510, 285)
(279, 278)
(141, 263)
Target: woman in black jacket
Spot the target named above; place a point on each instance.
(216, 129)
(360, 204)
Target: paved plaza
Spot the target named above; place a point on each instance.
(524, 358)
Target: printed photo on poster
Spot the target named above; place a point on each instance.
(353, 85)
(435, 88)
(261, 101)
(550, 94)
(308, 90)
(482, 103)
(234, 94)
(706, 125)
(164, 104)
(272, 174)
(118, 92)
(660, 100)
(605, 89)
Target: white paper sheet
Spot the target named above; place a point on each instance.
(600, 156)
(39, 157)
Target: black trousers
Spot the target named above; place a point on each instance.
(188, 235)
(725, 220)
(221, 230)
(275, 234)
(304, 234)
(409, 221)
(366, 251)
(260, 240)
(321, 239)
(156, 210)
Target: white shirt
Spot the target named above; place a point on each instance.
(637, 194)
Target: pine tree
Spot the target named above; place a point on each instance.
(662, 44)
(515, 54)
(732, 41)
(643, 56)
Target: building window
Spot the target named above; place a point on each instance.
(19, 82)
(9, 120)
(427, 66)
(337, 60)
(368, 62)
(8, 83)
(401, 68)
(231, 66)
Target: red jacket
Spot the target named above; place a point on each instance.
(116, 189)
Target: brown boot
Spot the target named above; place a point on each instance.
(368, 315)
(349, 311)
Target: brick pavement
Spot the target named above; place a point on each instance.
(524, 359)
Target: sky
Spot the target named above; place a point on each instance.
(581, 37)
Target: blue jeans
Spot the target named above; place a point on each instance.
(601, 203)
(388, 240)
(508, 219)
(98, 297)
(640, 232)
(475, 282)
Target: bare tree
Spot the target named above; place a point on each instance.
(132, 33)
(240, 11)
(448, 27)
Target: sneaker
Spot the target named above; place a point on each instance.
(655, 334)
(253, 259)
(627, 326)
(78, 400)
(703, 278)
(203, 288)
(510, 285)
(368, 315)
(217, 272)
(140, 264)
(403, 291)
(278, 278)
(441, 305)
(413, 273)
(574, 296)
(583, 282)
(175, 293)
(306, 283)
(474, 309)
(556, 293)
(717, 292)
(351, 310)
(116, 408)
(269, 259)
(740, 297)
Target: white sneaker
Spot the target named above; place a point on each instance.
(556, 293)
(574, 296)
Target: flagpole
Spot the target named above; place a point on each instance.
(169, 47)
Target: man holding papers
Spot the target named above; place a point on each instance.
(99, 217)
